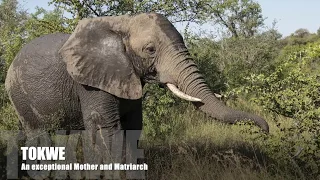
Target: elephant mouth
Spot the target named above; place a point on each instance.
(175, 90)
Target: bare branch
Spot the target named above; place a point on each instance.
(94, 11)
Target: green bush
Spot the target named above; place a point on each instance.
(8, 118)
(4, 99)
(205, 54)
(292, 90)
(159, 109)
(243, 56)
(225, 63)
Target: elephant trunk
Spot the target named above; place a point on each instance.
(191, 82)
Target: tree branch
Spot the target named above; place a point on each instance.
(94, 11)
(231, 28)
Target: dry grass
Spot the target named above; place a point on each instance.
(208, 149)
(205, 149)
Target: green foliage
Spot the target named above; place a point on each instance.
(292, 90)
(293, 149)
(18, 27)
(241, 57)
(301, 37)
(225, 63)
(46, 22)
(205, 54)
(242, 18)
(177, 11)
(9, 119)
(4, 99)
(159, 108)
(12, 20)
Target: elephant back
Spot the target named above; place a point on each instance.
(41, 53)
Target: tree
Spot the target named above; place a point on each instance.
(240, 17)
(46, 22)
(175, 10)
(12, 20)
(302, 37)
(301, 33)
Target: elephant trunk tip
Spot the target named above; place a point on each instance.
(259, 121)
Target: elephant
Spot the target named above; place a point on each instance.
(93, 78)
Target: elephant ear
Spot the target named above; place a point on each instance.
(95, 56)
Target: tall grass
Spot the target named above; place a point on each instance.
(197, 147)
(207, 149)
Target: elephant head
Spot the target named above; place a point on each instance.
(118, 54)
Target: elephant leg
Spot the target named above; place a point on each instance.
(101, 140)
(131, 123)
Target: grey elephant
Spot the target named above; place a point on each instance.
(93, 78)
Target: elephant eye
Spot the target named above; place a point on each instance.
(150, 49)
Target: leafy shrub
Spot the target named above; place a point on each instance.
(243, 56)
(205, 54)
(4, 99)
(8, 118)
(226, 62)
(159, 108)
(292, 90)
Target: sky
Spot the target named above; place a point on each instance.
(289, 14)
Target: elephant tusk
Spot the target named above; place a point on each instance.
(181, 94)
